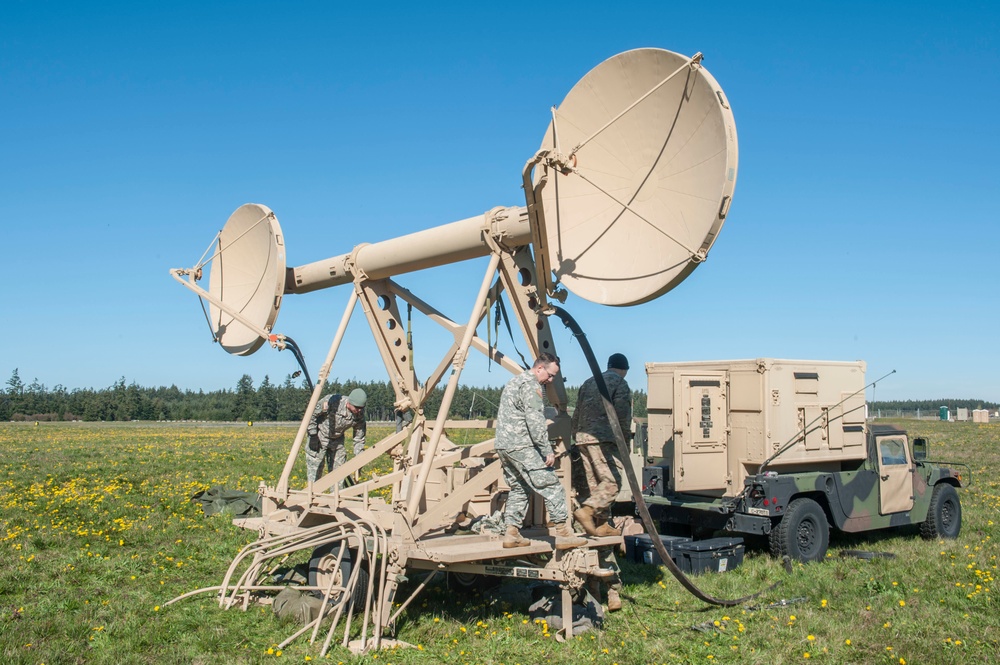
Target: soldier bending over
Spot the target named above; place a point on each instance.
(333, 415)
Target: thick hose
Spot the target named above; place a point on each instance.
(623, 452)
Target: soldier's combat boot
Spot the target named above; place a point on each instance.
(566, 539)
(513, 538)
(585, 516)
(614, 600)
(603, 528)
(608, 530)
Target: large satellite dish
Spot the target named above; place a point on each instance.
(631, 187)
(248, 277)
(649, 143)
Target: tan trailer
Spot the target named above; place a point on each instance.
(640, 160)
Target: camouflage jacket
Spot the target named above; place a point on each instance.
(590, 422)
(521, 416)
(331, 418)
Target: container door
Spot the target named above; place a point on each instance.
(895, 474)
(700, 429)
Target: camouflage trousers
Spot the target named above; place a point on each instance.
(525, 471)
(607, 559)
(602, 473)
(331, 454)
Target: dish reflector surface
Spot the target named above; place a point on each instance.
(650, 191)
(248, 276)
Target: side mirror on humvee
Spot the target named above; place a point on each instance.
(919, 449)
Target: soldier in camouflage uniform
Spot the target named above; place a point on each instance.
(599, 463)
(522, 444)
(595, 441)
(329, 421)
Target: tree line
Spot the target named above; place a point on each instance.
(930, 406)
(286, 401)
(265, 401)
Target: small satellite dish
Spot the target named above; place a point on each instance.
(248, 276)
(650, 151)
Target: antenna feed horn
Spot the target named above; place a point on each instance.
(564, 164)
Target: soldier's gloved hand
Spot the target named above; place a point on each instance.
(314, 443)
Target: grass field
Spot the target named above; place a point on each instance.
(97, 532)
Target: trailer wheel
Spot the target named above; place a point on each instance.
(321, 567)
(471, 582)
(944, 517)
(803, 534)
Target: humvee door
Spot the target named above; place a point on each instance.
(895, 474)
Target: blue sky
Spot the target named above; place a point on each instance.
(863, 226)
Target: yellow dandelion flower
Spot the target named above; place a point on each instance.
(902, 603)
(811, 638)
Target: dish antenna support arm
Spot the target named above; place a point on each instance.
(193, 275)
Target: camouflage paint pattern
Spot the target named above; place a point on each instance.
(327, 425)
(849, 498)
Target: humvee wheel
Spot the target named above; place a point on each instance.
(803, 534)
(321, 567)
(944, 516)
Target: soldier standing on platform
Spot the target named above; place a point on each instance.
(599, 459)
(522, 444)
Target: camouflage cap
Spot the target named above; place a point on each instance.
(358, 398)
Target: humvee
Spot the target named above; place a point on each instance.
(783, 449)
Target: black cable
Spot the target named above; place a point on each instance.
(294, 348)
(640, 502)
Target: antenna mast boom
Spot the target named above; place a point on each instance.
(441, 245)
